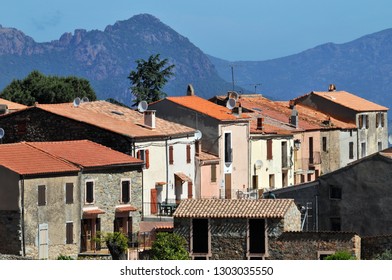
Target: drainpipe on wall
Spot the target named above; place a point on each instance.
(22, 223)
(167, 170)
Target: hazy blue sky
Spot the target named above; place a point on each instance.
(228, 29)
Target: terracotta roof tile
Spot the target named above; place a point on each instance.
(206, 107)
(205, 156)
(85, 153)
(351, 101)
(12, 106)
(26, 160)
(233, 208)
(116, 118)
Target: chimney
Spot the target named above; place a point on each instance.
(3, 109)
(237, 110)
(260, 123)
(149, 118)
(332, 87)
(294, 117)
(291, 104)
(190, 91)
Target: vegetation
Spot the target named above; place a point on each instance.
(341, 255)
(149, 79)
(169, 246)
(386, 255)
(63, 257)
(117, 244)
(37, 87)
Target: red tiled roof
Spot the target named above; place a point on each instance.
(12, 106)
(350, 101)
(125, 208)
(205, 156)
(85, 153)
(116, 118)
(233, 208)
(26, 160)
(89, 211)
(206, 107)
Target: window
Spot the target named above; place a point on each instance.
(228, 149)
(351, 150)
(335, 192)
(89, 192)
(200, 243)
(171, 155)
(379, 120)
(269, 149)
(125, 191)
(324, 144)
(213, 173)
(188, 154)
(41, 195)
(363, 121)
(69, 233)
(69, 193)
(255, 182)
(256, 235)
(379, 144)
(144, 155)
(190, 190)
(271, 181)
(363, 149)
(335, 224)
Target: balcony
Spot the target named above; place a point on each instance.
(305, 163)
(160, 210)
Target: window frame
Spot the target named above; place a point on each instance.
(69, 198)
(199, 255)
(122, 191)
(251, 238)
(86, 191)
(335, 192)
(213, 177)
(228, 147)
(351, 150)
(42, 195)
(69, 232)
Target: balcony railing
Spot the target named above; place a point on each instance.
(160, 209)
(247, 194)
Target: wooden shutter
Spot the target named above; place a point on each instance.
(188, 153)
(69, 193)
(269, 149)
(147, 158)
(378, 115)
(382, 119)
(190, 191)
(367, 121)
(89, 192)
(360, 121)
(153, 195)
(138, 154)
(98, 230)
(41, 195)
(171, 159)
(213, 173)
(125, 192)
(69, 233)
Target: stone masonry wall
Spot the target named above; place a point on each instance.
(375, 245)
(10, 228)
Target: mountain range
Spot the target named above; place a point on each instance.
(105, 58)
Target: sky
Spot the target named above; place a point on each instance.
(234, 30)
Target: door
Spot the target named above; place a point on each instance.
(154, 202)
(43, 241)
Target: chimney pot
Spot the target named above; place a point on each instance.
(190, 90)
(332, 87)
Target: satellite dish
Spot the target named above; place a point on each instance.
(390, 139)
(233, 95)
(198, 135)
(1, 133)
(142, 106)
(230, 103)
(258, 164)
(85, 99)
(76, 102)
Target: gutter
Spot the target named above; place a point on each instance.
(22, 218)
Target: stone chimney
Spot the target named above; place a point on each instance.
(149, 118)
(294, 117)
(259, 123)
(332, 87)
(190, 90)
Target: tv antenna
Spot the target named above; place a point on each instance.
(142, 106)
(85, 99)
(198, 135)
(230, 104)
(1, 135)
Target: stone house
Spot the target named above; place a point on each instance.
(370, 119)
(224, 134)
(355, 198)
(234, 229)
(167, 148)
(56, 196)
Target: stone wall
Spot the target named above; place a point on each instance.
(309, 245)
(10, 229)
(375, 245)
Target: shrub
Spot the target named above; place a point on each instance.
(169, 246)
(386, 255)
(63, 257)
(341, 255)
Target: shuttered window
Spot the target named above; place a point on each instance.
(188, 153)
(41, 195)
(190, 190)
(90, 192)
(144, 155)
(69, 193)
(171, 155)
(69, 233)
(213, 173)
(269, 149)
(125, 192)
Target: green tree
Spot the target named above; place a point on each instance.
(117, 244)
(169, 246)
(341, 255)
(149, 78)
(37, 87)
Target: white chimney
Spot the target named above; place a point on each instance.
(149, 118)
